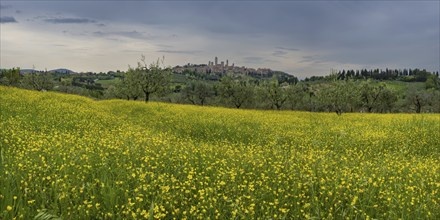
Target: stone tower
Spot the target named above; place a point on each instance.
(216, 61)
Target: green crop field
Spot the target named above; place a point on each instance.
(72, 157)
(108, 82)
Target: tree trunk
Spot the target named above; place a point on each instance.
(339, 112)
(147, 96)
(418, 105)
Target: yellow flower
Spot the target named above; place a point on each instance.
(9, 208)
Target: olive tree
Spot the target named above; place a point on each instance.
(377, 98)
(10, 77)
(339, 96)
(276, 94)
(38, 81)
(150, 78)
(197, 92)
(130, 86)
(236, 92)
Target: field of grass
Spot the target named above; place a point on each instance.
(76, 158)
(108, 82)
(401, 87)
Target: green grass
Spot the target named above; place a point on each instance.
(107, 82)
(402, 87)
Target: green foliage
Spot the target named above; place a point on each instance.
(10, 77)
(197, 92)
(236, 92)
(154, 79)
(378, 98)
(339, 96)
(143, 80)
(38, 81)
(130, 86)
(336, 92)
(276, 93)
(432, 82)
(417, 100)
(297, 96)
(45, 214)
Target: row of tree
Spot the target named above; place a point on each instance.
(406, 75)
(349, 95)
(333, 93)
(34, 80)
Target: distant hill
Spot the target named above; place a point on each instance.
(62, 70)
(59, 70)
(23, 71)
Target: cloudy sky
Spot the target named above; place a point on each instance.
(303, 38)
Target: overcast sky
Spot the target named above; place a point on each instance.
(303, 38)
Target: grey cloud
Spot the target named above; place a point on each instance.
(69, 20)
(289, 49)
(7, 19)
(133, 51)
(164, 45)
(335, 32)
(100, 34)
(279, 53)
(180, 51)
(312, 59)
(129, 34)
(5, 6)
(257, 60)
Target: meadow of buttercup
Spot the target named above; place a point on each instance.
(75, 158)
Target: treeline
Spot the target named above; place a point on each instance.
(82, 83)
(405, 75)
(339, 92)
(332, 95)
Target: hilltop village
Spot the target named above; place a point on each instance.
(223, 68)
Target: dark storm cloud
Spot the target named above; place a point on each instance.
(398, 33)
(5, 6)
(7, 19)
(69, 20)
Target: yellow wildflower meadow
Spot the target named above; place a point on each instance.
(76, 158)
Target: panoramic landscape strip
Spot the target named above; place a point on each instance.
(214, 109)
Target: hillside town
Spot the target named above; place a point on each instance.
(223, 68)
